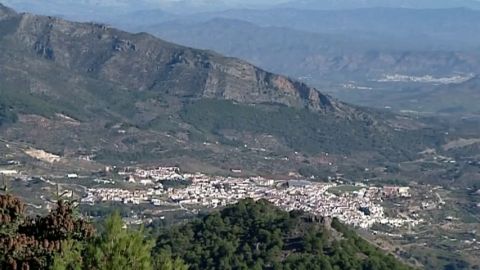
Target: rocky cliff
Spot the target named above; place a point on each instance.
(142, 62)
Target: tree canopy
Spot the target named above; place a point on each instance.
(63, 241)
(248, 235)
(257, 235)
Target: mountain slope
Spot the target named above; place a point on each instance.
(257, 235)
(318, 58)
(454, 27)
(6, 12)
(449, 99)
(144, 63)
(452, 98)
(88, 89)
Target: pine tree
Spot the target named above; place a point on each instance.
(164, 261)
(70, 258)
(119, 248)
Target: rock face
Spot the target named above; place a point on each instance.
(142, 62)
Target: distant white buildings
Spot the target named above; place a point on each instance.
(426, 79)
(8, 172)
(159, 174)
(72, 176)
(104, 181)
(146, 182)
(123, 195)
(359, 208)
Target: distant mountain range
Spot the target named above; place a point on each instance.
(458, 99)
(328, 49)
(116, 7)
(347, 47)
(435, 28)
(73, 88)
(352, 4)
(317, 57)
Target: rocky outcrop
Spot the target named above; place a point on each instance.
(142, 62)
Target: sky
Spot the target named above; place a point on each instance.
(84, 9)
(70, 7)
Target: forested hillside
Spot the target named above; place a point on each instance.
(248, 235)
(257, 235)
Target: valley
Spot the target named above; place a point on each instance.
(164, 133)
(406, 216)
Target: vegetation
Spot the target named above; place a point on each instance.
(304, 130)
(249, 235)
(13, 102)
(27, 243)
(257, 235)
(61, 241)
(6, 114)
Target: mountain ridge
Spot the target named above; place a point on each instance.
(348, 4)
(314, 56)
(88, 89)
(146, 56)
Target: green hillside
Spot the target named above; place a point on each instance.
(248, 235)
(257, 235)
(306, 131)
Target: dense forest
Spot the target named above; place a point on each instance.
(248, 235)
(257, 235)
(306, 131)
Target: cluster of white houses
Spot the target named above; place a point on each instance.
(150, 176)
(360, 208)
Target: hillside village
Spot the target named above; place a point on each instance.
(361, 208)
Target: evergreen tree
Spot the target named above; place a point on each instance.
(164, 261)
(119, 248)
(70, 256)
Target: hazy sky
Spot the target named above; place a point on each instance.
(203, 2)
(71, 7)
